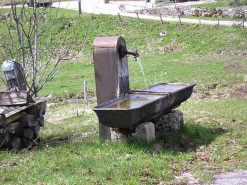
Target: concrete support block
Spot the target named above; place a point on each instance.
(145, 132)
(104, 132)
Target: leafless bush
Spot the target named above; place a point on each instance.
(40, 40)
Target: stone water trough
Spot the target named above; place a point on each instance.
(135, 107)
(118, 105)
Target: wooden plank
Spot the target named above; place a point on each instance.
(15, 98)
(19, 109)
(13, 127)
(14, 117)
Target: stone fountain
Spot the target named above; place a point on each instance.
(118, 105)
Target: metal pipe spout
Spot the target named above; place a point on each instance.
(131, 52)
(124, 51)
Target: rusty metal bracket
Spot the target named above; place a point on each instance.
(147, 93)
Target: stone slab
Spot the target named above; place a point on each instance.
(145, 132)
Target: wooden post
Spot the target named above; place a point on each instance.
(243, 15)
(218, 20)
(161, 19)
(119, 17)
(101, 18)
(179, 18)
(79, 6)
(199, 17)
(138, 17)
(85, 92)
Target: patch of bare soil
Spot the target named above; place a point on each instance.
(234, 65)
(69, 55)
(78, 56)
(232, 52)
(164, 49)
(239, 92)
(187, 176)
(235, 91)
(66, 138)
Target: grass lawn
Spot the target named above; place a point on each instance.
(223, 4)
(218, 4)
(213, 139)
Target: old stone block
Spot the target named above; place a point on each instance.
(145, 132)
(170, 122)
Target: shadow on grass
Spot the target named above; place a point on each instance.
(190, 137)
(62, 139)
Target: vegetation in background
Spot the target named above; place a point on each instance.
(38, 39)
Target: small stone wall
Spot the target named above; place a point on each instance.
(193, 11)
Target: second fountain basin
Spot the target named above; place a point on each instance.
(137, 107)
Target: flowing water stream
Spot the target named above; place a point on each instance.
(138, 59)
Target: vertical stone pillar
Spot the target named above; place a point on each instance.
(111, 73)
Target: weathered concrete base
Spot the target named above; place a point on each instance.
(145, 132)
(169, 122)
(104, 132)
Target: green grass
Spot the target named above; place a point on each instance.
(222, 4)
(212, 140)
(192, 47)
(211, 18)
(71, 153)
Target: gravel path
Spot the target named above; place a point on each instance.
(231, 178)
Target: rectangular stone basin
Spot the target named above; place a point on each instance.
(136, 107)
